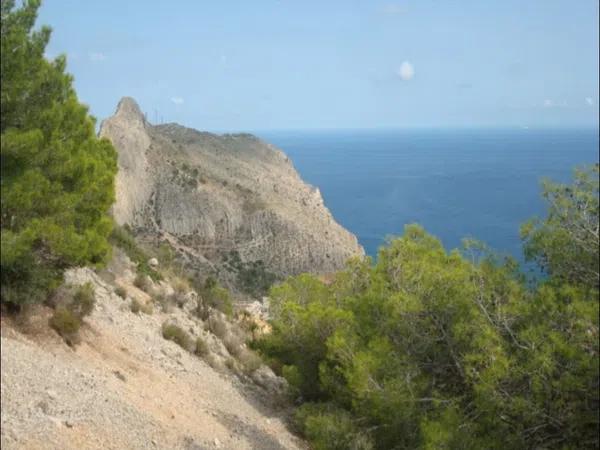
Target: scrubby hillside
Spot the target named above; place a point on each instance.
(147, 373)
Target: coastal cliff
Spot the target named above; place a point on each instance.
(221, 200)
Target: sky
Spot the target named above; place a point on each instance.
(306, 64)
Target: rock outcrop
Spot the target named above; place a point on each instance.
(221, 198)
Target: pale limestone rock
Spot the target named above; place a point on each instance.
(209, 195)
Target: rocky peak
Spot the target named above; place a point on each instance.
(129, 110)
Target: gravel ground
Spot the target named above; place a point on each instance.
(125, 387)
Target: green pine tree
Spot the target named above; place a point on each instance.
(57, 177)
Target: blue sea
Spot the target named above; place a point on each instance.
(480, 183)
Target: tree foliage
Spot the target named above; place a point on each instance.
(566, 243)
(436, 349)
(56, 176)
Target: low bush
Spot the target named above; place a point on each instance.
(214, 295)
(136, 306)
(231, 364)
(330, 428)
(142, 282)
(83, 300)
(172, 332)
(66, 324)
(217, 326)
(253, 277)
(233, 344)
(201, 347)
(147, 309)
(121, 292)
(250, 361)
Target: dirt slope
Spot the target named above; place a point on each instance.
(125, 387)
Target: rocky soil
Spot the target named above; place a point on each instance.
(126, 387)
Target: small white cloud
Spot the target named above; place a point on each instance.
(97, 56)
(393, 9)
(548, 103)
(406, 71)
(177, 100)
(589, 101)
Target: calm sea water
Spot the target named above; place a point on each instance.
(456, 183)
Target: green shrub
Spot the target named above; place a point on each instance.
(201, 348)
(252, 276)
(67, 324)
(83, 300)
(121, 292)
(427, 348)
(176, 334)
(330, 428)
(213, 295)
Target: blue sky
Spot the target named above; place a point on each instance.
(284, 64)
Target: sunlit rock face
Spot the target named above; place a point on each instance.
(209, 195)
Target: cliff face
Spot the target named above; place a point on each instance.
(217, 197)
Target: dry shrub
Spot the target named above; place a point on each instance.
(176, 334)
(121, 292)
(231, 364)
(142, 282)
(67, 324)
(137, 306)
(233, 344)
(217, 326)
(213, 361)
(147, 309)
(201, 347)
(249, 360)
